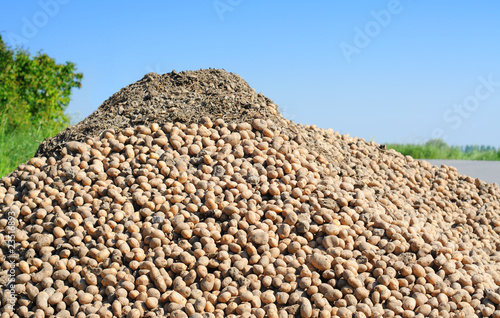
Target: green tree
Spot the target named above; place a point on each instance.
(34, 91)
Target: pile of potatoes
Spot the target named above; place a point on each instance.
(221, 219)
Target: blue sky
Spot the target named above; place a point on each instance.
(389, 71)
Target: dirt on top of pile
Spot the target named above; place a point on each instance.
(173, 97)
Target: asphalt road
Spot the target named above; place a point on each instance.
(488, 171)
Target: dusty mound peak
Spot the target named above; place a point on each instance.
(172, 97)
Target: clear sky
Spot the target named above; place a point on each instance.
(389, 71)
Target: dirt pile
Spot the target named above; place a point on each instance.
(184, 97)
(242, 218)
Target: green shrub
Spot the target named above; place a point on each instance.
(34, 93)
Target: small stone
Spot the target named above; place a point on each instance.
(321, 262)
(260, 237)
(177, 298)
(76, 146)
(305, 308)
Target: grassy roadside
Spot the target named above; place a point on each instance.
(19, 146)
(438, 149)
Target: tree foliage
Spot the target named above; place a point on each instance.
(34, 90)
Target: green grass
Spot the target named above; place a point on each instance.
(438, 149)
(19, 146)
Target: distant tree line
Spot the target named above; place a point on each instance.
(441, 144)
